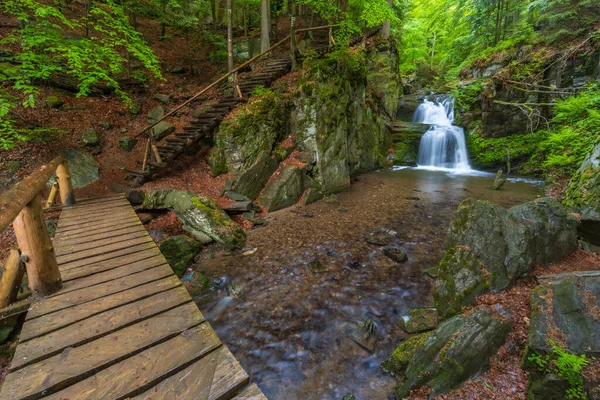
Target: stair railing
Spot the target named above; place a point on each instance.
(21, 206)
(150, 155)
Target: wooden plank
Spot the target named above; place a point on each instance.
(99, 325)
(141, 372)
(118, 262)
(109, 256)
(100, 227)
(77, 208)
(190, 384)
(70, 299)
(115, 273)
(104, 250)
(92, 200)
(112, 232)
(74, 364)
(64, 223)
(252, 392)
(101, 240)
(50, 322)
(100, 208)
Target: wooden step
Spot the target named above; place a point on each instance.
(137, 173)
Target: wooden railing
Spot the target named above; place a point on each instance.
(148, 152)
(21, 206)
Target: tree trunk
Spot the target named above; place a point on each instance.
(265, 27)
(230, 34)
(344, 5)
(293, 34)
(213, 9)
(387, 25)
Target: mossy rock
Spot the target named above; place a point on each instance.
(285, 191)
(54, 102)
(201, 217)
(83, 167)
(180, 252)
(459, 349)
(196, 283)
(584, 187)
(127, 143)
(419, 320)
(90, 137)
(162, 130)
(461, 278)
(401, 357)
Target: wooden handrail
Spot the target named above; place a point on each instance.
(21, 206)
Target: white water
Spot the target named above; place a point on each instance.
(443, 146)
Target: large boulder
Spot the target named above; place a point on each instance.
(83, 167)
(510, 242)
(155, 115)
(584, 187)
(180, 252)
(459, 349)
(285, 191)
(565, 318)
(162, 130)
(460, 279)
(399, 360)
(201, 216)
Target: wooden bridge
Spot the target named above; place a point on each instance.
(110, 320)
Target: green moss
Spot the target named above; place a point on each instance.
(401, 357)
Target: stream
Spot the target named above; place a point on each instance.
(296, 312)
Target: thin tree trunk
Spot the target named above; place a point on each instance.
(387, 25)
(265, 26)
(230, 34)
(213, 9)
(293, 35)
(245, 18)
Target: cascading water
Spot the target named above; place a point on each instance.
(443, 145)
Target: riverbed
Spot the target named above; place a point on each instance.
(312, 312)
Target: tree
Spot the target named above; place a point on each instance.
(230, 35)
(265, 26)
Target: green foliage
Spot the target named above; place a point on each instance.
(260, 91)
(564, 364)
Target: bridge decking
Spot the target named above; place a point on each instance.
(123, 326)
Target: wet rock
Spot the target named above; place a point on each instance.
(83, 167)
(584, 187)
(51, 226)
(251, 181)
(236, 196)
(312, 195)
(332, 199)
(457, 350)
(162, 130)
(565, 315)
(163, 98)
(433, 272)
(343, 210)
(155, 115)
(201, 216)
(401, 357)
(419, 320)
(180, 252)
(499, 181)
(284, 191)
(127, 143)
(195, 282)
(249, 215)
(106, 125)
(361, 334)
(510, 242)
(461, 278)
(316, 267)
(395, 254)
(54, 102)
(239, 207)
(158, 235)
(90, 138)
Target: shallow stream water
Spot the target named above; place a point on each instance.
(299, 333)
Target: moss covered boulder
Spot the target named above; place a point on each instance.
(565, 319)
(459, 349)
(401, 357)
(510, 242)
(461, 277)
(201, 216)
(83, 167)
(584, 187)
(180, 252)
(286, 190)
(419, 320)
(406, 138)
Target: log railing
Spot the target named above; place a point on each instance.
(21, 206)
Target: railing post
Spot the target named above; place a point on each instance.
(65, 185)
(11, 278)
(37, 250)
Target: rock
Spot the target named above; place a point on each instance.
(180, 252)
(82, 166)
(284, 191)
(127, 143)
(589, 229)
(401, 357)
(135, 109)
(584, 187)
(236, 196)
(195, 282)
(90, 138)
(145, 219)
(106, 125)
(361, 334)
(419, 320)
(162, 130)
(155, 115)
(432, 272)
(316, 267)
(54, 102)
(395, 254)
(201, 217)
(178, 70)
(457, 350)
(349, 396)
(460, 279)
(158, 235)
(239, 207)
(378, 238)
(498, 181)
(312, 195)
(249, 215)
(51, 226)
(163, 98)
(406, 138)
(510, 242)
(565, 317)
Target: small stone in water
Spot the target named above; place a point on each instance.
(395, 254)
(349, 396)
(315, 266)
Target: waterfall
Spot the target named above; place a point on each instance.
(443, 145)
